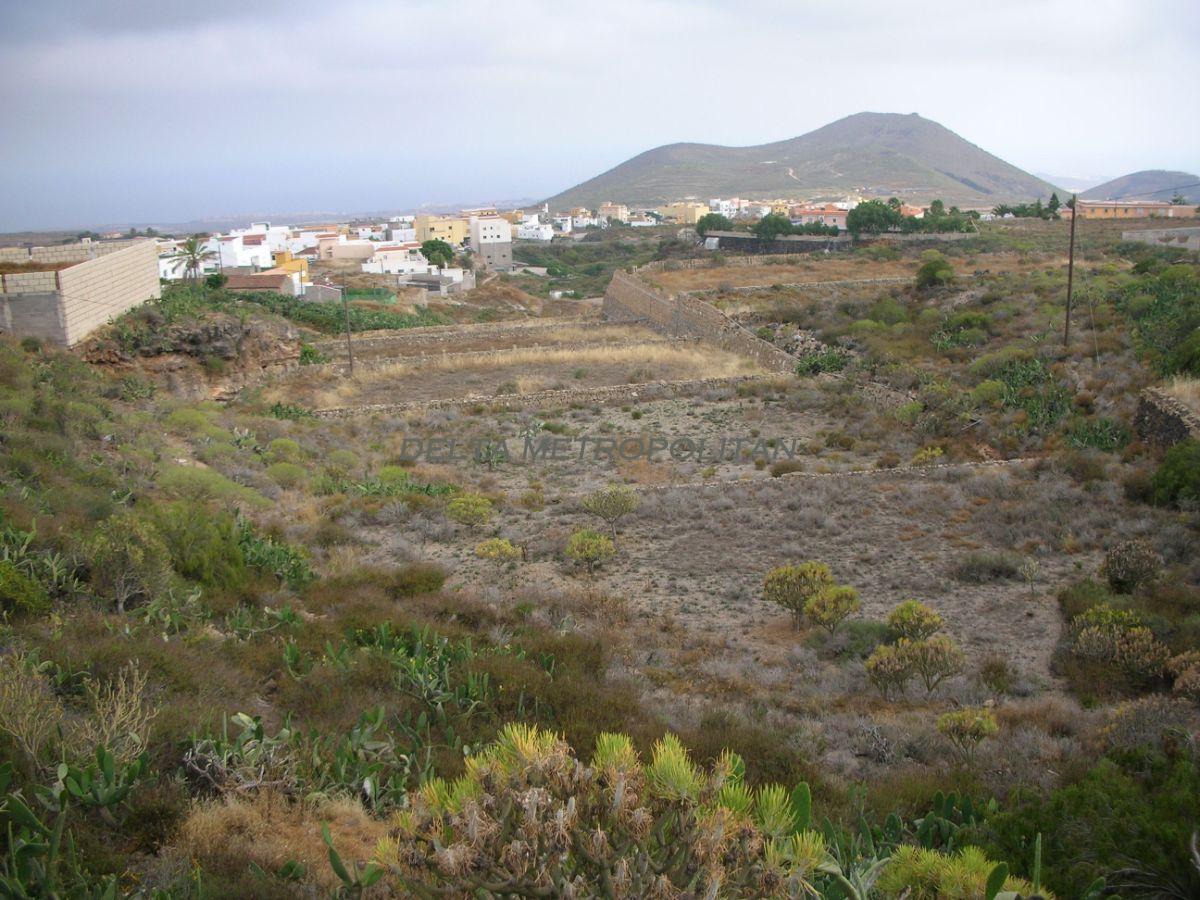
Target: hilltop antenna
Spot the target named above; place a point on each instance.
(1070, 269)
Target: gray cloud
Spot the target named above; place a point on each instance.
(136, 111)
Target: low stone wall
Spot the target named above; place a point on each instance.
(743, 242)
(612, 394)
(629, 299)
(1162, 420)
(496, 357)
(448, 335)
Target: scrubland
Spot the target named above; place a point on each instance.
(948, 642)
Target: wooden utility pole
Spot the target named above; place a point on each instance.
(346, 314)
(1071, 269)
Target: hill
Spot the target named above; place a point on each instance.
(877, 154)
(1151, 184)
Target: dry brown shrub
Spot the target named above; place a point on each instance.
(1055, 716)
(227, 836)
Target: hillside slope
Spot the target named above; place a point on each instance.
(878, 154)
(1151, 184)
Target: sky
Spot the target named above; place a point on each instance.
(125, 111)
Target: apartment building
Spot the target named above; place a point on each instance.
(684, 213)
(490, 238)
(450, 229)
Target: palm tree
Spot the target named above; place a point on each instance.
(191, 257)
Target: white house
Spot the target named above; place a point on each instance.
(402, 234)
(726, 208)
(398, 259)
(491, 238)
(534, 231)
(562, 223)
(236, 251)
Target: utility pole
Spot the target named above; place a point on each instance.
(346, 313)
(1071, 269)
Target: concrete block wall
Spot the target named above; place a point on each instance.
(100, 289)
(82, 251)
(33, 315)
(28, 282)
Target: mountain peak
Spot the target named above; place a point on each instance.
(868, 153)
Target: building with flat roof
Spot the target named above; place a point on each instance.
(1133, 209)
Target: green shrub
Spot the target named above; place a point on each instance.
(416, 578)
(612, 503)
(792, 586)
(908, 413)
(982, 567)
(988, 393)
(933, 660)
(965, 728)
(815, 362)
(935, 271)
(284, 450)
(128, 561)
(889, 311)
(287, 475)
(499, 550)
(203, 547)
(200, 485)
(917, 873)
(889, 669)
(287, 563)
(589, 548)
(187, 420)
(1098, 434)
(19, 593)
(1177, 479)
(1129, 564)
(311, 356)
(831, 605)
(914, 620)
(471, 510)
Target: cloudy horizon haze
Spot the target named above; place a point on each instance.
(136, 112)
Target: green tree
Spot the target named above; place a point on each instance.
(1054, 205)
(589, 548)
(713, 222)
(935, 270)
(873, 217)
(611, 503)
(772, 226)
(793, 586)
(937, 209)
(438, 252)
(190, 257)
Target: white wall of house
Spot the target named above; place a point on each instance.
(534, 232)
(488, 230)
(397, 261)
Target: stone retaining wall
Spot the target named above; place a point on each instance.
(1163, 420)
(629, 299)
(612, 394)
(467, 356)
(448, 334)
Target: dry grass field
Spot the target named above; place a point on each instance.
(834, 267)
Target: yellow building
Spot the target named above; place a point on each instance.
(1132, 209)
(685, 213)
(284, 260)
(450, 229)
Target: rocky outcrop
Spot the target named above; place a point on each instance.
(210, 359)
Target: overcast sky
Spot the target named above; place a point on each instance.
(119, 111)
